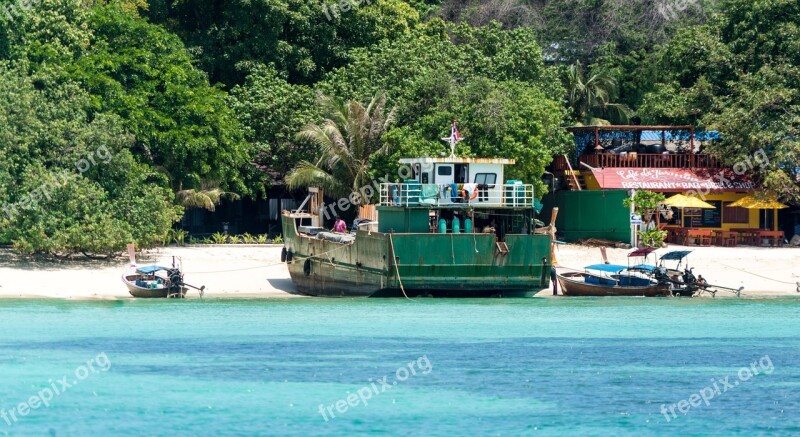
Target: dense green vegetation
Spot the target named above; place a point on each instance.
(179, 102)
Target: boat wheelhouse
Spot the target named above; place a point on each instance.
(455, 229)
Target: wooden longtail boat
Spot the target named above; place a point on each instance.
(588, 284)
(640, 279)
(155, 281)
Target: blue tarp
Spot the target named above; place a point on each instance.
(606, 267)
(644, 267)
(676, 255)
(150, 269)
(655, 135)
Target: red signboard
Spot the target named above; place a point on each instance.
(672, 179)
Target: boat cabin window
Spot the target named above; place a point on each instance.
(444, 170)
(424, 178)
(486, 178)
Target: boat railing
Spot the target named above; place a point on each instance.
(455, 195)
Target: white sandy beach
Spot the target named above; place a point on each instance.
(256, 271)
(225, 270)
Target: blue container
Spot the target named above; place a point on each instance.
(442, 226)
(456, 225)
(467, 225)
(515, 193)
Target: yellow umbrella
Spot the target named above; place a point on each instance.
(682, 201)
(753, 202)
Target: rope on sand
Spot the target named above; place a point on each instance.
(760, 276)
(273, 264)
(236, 270)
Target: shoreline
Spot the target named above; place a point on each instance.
(255, 271)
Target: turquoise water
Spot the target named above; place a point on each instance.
(480, 367)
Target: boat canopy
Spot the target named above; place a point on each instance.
(676, 255)
(614, 268)
(642, 252)
(150, 269)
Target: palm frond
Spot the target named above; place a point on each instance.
(206, 197)
(307, 174)
(346, 139)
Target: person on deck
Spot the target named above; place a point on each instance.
(340, 226)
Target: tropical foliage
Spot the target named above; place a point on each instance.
(589, 96)
(646, 205)
(195, 100)
(349, 136)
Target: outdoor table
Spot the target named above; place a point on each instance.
(678, 235)
(747, 235)
(702, 237)
(774, 238)
(725, 238)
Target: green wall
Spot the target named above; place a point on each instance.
(401, 219)
(589, 214)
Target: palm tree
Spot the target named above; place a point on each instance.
(207, 196)
(589, 97)
(346, 139)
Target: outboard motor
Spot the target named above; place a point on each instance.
(690, 281)
(662, 277)
(175, 277)
(689, 278)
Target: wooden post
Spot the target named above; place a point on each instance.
(596, 138)
(553, 216)
(572, 172)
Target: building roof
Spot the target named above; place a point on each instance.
(625, 127)
(457, 160)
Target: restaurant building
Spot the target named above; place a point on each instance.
(615, 160)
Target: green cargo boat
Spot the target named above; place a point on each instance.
(450, 231)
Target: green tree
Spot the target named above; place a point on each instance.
(589, 96)
(180, 122)
(69, 182)
(350, 135)
(303, 39)
(272, 111)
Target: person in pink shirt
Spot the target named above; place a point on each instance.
(340, 226)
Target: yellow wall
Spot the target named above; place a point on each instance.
(591, 181)
(731, 197)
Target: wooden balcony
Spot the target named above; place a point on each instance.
(677, 160)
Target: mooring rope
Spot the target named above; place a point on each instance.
(273, 264)
(235, 270)
(396, 269)
(765, 277)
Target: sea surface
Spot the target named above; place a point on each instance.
(541, 366)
